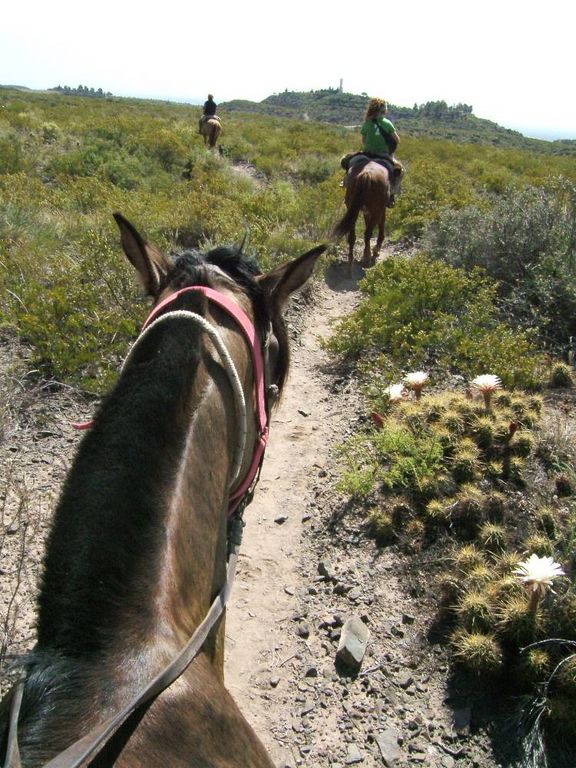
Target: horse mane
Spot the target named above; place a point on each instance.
(122, 447)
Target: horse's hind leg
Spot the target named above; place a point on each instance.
(351, 241)
(369, 226)
(379, 239)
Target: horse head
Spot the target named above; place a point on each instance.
(230, 271)
(236, 276)
(138, 548)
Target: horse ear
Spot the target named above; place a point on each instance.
(284, 280)
(150, 263)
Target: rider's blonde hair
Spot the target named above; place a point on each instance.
(375, 106)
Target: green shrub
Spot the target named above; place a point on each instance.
(422, 313)
(11, 156)
(525, 239)
(394, 457)
(561, 376)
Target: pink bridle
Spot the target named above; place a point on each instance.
(249, 331)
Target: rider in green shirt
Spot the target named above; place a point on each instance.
(379, 139)
(378, 133)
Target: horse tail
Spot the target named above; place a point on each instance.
(348, 221)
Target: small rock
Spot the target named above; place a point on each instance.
(302, 412)
(326, 569)
(274, 681)
(388, 745)
(405, 680)
(311, 672)
(280, 519)
(353, 755)
(355, 593)
(353, 643)
(303, 630)
(408, 619)
(341, 588)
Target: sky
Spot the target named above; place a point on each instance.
(511, 60)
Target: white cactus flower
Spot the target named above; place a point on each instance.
(415, 381)
(538, 573)
(395, 392)
(487, 384)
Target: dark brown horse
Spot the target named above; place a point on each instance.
(367, 190)
(138, 546)
(210, 130)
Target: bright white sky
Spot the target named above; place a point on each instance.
(512, 60)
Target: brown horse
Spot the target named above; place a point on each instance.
(367, 190)
(210, 130)
(138, 545)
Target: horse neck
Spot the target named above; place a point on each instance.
(138, 545)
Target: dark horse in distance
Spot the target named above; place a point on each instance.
(368, 190)
(138, 546)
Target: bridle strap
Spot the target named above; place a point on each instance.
(12, 750)
(229, 366)
(249, 331)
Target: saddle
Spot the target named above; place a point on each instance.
(354, 159)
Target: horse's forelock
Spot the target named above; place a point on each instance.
(195, 268)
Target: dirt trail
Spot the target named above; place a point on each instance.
(304, 428)
(283, 624)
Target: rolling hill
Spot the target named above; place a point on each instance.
(435, 119)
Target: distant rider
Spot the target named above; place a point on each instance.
(379, 142)
(208, 111)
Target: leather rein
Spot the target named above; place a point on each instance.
(93, 742)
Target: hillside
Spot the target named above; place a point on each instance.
(435, 119)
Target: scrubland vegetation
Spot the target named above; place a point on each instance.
(485, 287)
